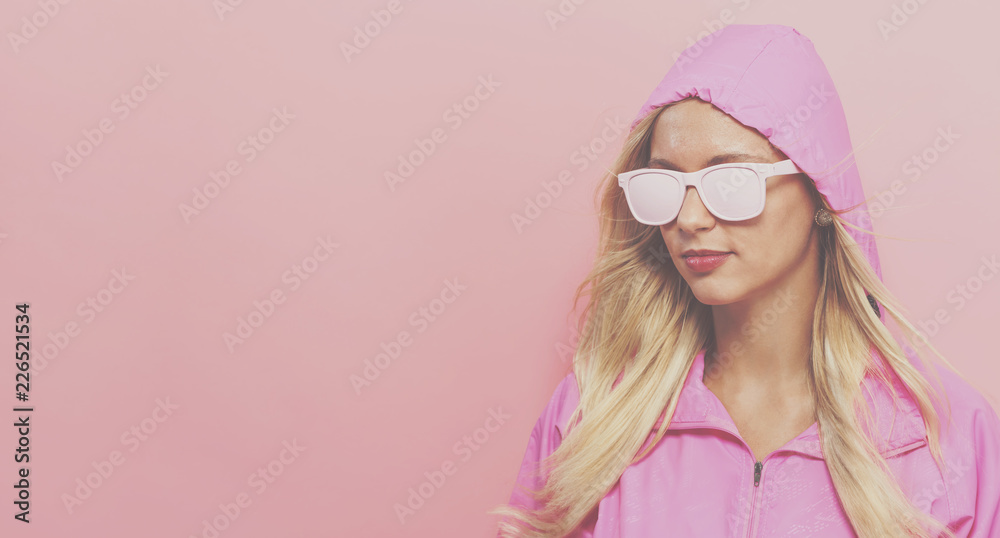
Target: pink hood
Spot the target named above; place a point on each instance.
(769, 77)
(702, 479)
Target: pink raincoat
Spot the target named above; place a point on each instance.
(701, 480)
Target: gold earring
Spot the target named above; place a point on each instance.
(823, 217)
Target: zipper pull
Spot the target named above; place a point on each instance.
(757, 467)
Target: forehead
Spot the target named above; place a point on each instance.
(691, 133)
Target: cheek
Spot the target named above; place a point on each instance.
(774, 248)
(788, 206)
(668, 237)
(785, 223)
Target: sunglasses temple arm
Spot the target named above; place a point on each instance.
(786, 167)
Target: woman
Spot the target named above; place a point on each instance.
(736, 376)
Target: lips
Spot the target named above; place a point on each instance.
(703, 252)
(703, 260)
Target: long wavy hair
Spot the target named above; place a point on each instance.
(643, 324)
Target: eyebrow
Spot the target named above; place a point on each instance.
(718, 159)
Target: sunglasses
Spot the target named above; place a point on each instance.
(730, 191)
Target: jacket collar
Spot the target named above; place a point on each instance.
(699, 407)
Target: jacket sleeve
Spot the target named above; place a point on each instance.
(545, 438)
(986, 435)
(986, 439)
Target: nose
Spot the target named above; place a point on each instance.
(693, 215)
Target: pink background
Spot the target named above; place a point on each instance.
(492, 347)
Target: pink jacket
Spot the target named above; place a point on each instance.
(701, 479)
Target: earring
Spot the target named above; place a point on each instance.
(823, 217)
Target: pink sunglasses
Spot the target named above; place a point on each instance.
(730, 191)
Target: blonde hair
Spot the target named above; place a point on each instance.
(644, 324)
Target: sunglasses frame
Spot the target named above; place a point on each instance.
(694, 179)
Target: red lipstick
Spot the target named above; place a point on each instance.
(702, 261)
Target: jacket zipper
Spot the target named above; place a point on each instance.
(758, 467)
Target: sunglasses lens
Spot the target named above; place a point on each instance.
(655, 197)
(733, 193)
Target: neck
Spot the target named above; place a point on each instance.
(764, 341)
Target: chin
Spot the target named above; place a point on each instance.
(712, 294)
(712, 301)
